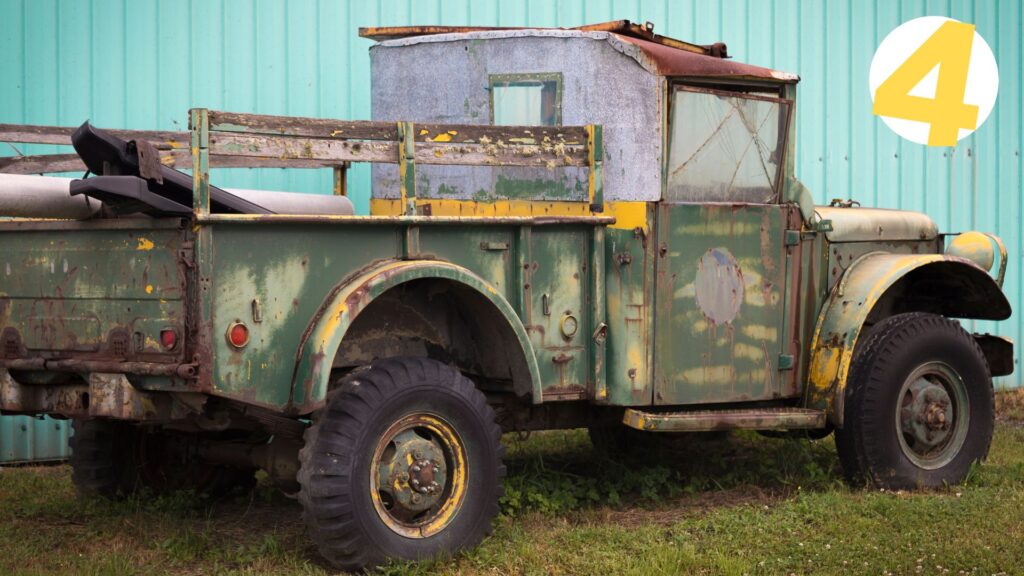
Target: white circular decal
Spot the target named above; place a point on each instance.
(933, 80)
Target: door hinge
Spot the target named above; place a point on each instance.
(792, 237)
(786, 361)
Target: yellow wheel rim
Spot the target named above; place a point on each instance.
(418, 475)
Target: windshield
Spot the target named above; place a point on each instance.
(725, 146)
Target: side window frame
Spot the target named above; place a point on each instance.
(527, 79)
(739, 91)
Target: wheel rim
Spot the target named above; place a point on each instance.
(418, 475)
(933, 415)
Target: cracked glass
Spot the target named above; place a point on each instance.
(725, 147)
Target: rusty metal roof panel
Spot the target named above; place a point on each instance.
(659, 55)
(667, 61)
(622, 27)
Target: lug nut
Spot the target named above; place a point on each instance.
(414, 469)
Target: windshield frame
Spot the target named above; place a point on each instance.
(749, 92)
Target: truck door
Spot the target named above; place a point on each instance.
(725, 246)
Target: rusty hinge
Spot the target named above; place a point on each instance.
(187, 255)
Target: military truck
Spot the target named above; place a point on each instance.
(597, 227)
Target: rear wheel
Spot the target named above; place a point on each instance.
(404, 462)
(112, 459)
(919, 405)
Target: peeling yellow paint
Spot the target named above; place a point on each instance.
(145, 244)
(149, 288)
(444, 136)
(628, 215)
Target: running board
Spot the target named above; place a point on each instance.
(705, 420)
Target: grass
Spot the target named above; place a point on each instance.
(746, 505)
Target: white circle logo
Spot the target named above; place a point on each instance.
(933, 80)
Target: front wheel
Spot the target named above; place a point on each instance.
(404, 462)
(919, 408)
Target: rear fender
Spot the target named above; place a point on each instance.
(879, 285)
(343, 305)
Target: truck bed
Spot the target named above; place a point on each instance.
(99, 290)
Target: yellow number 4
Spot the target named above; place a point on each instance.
(949, 48)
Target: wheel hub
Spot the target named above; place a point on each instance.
(927, 412)
(933, 416)
(419, 478)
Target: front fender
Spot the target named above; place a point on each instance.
(956, 288)
(322, 338)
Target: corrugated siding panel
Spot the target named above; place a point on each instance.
(142, 65)
(27, 439)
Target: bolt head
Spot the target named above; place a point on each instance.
(415, 483)
(414, 469)
(416, 456)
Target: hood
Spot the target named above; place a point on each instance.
(876, 224)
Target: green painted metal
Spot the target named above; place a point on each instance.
(629, 296)
(29, 439)
(721, 284)
(344, 304)
(68, 287)
(841, 321)
(407, 166)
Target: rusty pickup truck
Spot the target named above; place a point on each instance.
(596, 227)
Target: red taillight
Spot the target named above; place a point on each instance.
(238, 335)
(168, 338)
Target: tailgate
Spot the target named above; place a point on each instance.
(93, 290)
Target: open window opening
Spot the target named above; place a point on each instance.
(526, 99)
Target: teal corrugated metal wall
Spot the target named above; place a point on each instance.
(27, 439)
(142, 64)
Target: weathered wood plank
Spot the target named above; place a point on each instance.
(178, 159)
(61, 135)
(41, 164)
(387, 131)
(497, 154)
(298, 126)
(333, 151)
(509, 135)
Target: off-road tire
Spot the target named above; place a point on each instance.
(98, 467)
(336, 462)
(106, 462)
(869, 443)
